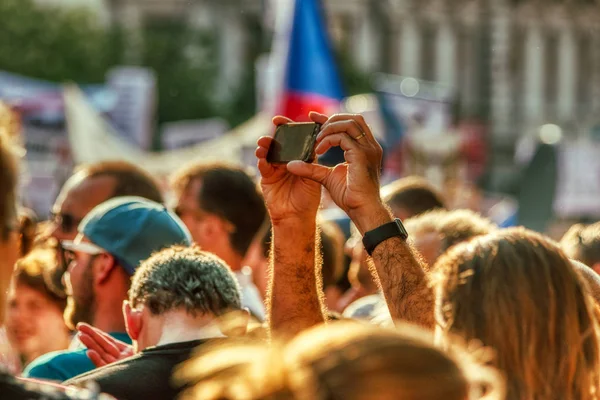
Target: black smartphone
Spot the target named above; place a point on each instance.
(294, 141)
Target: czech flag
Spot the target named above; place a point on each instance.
(311, 81)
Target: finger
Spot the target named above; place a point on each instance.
(265, 169)
(95, 333)
(315, 172)
(261, 152)
(358, 119)
(97, 340)
(281, 120)
(93, 345)
(264, 141)
(96, 359)
(348, 126)
(318, 117)
(341, 140)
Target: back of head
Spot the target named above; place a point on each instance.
(516, 292)
(9, 173)
(582, 243)
(411, 196)
(453, 226)
(345, 360)
(130, 180)
(38, 270)
(229, 192)
(9, 224)
(185, 278)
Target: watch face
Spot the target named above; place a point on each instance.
(401, 228)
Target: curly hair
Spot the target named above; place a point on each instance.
(185, 278)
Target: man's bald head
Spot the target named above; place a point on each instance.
(92, 185)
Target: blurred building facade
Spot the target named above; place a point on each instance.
(516, 63)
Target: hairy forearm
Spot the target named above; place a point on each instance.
(294, 302)
(402, 277)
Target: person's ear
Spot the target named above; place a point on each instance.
(133, 320)
(212, 226)
(234, 323)
(596, 267)
(105, 263)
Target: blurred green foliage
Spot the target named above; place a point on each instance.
(54, 44)
(63, 44)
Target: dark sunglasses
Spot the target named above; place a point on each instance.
(67, 222)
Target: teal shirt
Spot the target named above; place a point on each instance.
(65, 364)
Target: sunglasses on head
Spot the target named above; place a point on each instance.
(67, 222)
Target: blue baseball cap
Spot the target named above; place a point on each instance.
(131, 229)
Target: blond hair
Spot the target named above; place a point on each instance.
(516, 292)
(344, 360)
(582, 243)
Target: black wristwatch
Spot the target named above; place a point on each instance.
(373, 238)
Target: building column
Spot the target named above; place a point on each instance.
(501, 82)
(595, 78)
(366, 42)
(567, 75)
(446, 48)
(129, 17)
(534, 75)
(232, 52)
(410, 47)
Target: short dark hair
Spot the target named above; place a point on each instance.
(39, 271)
(185, 278)
(9, 173)
(130, 180)
(582, 243)
(414, 194)
(229, 192)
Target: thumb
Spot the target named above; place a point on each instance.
(315, 172)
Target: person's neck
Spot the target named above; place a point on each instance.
(109, 316)
(179, 326)
(234, 260)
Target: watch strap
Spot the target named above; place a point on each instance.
(373, 238)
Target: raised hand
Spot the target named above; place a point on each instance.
(288, 196)
(353, 185)
(103, 349)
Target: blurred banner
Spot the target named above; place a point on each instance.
(578, 189)
(93, 139)
(133, 115)
(41, 101)
(182, 134)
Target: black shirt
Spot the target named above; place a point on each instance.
(144, 376)
(30, 389)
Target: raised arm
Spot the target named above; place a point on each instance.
(294, 300)
(354, 186)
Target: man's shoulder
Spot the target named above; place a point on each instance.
(155, 361)
(59, 365)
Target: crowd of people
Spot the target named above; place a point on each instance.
(226, 288)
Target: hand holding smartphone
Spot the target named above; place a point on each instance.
(294, 141)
